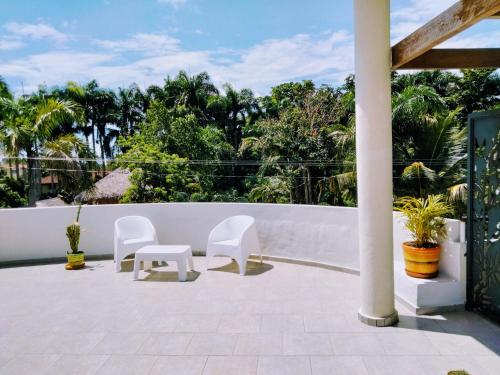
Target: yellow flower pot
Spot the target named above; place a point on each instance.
(421, 262)
(75, 261)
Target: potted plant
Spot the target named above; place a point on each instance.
(426, 224)
(76, 258)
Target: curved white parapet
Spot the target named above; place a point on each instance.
(321, 234)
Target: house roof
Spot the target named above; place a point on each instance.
(47, 180)
(110, 187)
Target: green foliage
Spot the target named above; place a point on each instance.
(11, 192)
(295, 145)
(33, 125)
(157, 176)
(270, 190)
(425, 218)
(301, 134)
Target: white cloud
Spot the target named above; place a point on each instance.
(421, 10)
(35, 31)
(152, 44)
(8, 44)
(409, 18)
(479, 40)
(52, 68)
(280, 60)
(326, 58)
(174, 3)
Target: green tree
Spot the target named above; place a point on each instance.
(31, 122)
(477, 90)
(131, 106)
(101, 115)
(157, 176)
(11, 192)
(233, 111)
(297, 145)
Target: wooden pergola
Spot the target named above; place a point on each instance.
(374, 60)
(417, 51)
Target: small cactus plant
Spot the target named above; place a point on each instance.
(73, 233)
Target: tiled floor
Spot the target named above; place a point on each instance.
(279, 319)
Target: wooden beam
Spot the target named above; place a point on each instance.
(497, 16)
(456, 59)
(455, 19)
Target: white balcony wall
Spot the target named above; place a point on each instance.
(321, 234)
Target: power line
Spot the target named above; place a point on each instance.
(216, 162)
(203, 175)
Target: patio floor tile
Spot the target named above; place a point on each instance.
(325, 323)
(340, 365)
(127, 365)
(259, 344)
(231, 365)
(183, 365)
(120, 343)
(292, 323)
(413, 343)
(166, 344)
(279, 318)
(459, 344)
(284, 366)
(356, 344)
(77, 365)
(212, 344)
(240, 323)
(28, 364)
(198, 323)
(307, 344)
(73, 343)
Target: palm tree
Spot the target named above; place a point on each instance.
(104, 114)
(437, 163)
(4, 141)
(429, 145)
(131, 106)
(31, 123)
(4, 89)
(233, 111)
(63, 162)
(100, 111)
(83, 96)
(191, 92)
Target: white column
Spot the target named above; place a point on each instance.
(374, 160)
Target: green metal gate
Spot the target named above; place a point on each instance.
(483, 214)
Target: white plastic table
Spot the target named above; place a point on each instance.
(181, 254)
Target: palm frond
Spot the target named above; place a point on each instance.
(342, 181)
(458, 193)
(418, 170)
(51, 112)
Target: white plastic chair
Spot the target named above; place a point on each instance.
(132, 233)
(234, 237)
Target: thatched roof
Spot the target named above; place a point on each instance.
(109, 189)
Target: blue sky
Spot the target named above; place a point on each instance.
(249, 43)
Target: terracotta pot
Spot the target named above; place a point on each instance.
(421, 262)
(75, 261)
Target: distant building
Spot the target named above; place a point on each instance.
(49, 184)
(107, 190)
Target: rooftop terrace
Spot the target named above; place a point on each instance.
(281, 318)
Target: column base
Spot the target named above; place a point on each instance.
(379, 322)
